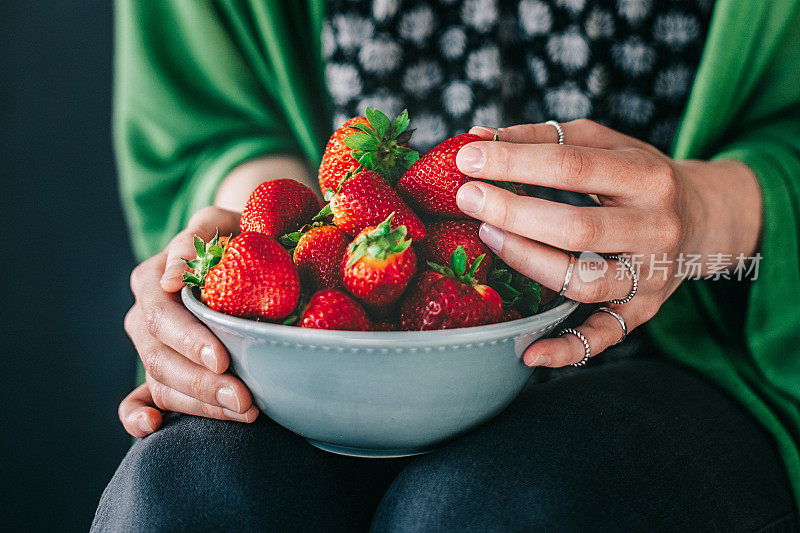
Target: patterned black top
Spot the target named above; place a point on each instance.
(456, 63)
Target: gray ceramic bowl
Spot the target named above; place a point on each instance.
(379, 394)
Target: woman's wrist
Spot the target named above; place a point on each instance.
(726, 209)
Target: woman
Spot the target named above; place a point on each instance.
(698, 430)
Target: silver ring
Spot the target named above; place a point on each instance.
(568, 275)
(634, 277)
(587, 352)
(559, 130)
(619, 319)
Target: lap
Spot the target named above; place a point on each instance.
(197, 474)
(636, 444)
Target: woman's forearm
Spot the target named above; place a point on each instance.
(242, 180)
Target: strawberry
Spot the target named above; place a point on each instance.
(365, 199)
(372, 142)
(333, 309)
(279, 206)
(378, 264)
(510, 314)
(252, 277)
(449, 297)
(442, 239)
(430, 185)
(318, 256)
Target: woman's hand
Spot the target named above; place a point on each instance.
(654, 209)
(184, 362)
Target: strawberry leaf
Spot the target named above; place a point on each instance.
(324, 213)
(400, 123)
(458, 261)
(363, 128)
(475, 265)
(361, 141)
(379, 121)
(199, 246)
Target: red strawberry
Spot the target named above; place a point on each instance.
(442, 239)
(511, 314)
(333, 309)
(378, 264)
(365, 199)
(449, 297)
(430, 185)
(318, 257)
(374, 142)
(279, 206)
(253, 277)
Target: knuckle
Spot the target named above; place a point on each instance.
(154, 318)
(211, 411)
(137, 279)
(571, 165)
(129, 321)
(596, 291)
(584, 231)
(153, 361)
(158, 393)
(197, 386)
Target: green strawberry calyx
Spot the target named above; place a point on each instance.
(379, 243)
(458, 268)
(515, 289)
(208, 256)
(381, 146)
(290, 240)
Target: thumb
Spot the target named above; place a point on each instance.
(138, 412)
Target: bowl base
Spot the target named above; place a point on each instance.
(367, 453)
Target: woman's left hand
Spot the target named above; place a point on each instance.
(654, 209)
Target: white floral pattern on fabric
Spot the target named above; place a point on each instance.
(629, 64)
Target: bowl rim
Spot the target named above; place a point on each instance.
(500, 330)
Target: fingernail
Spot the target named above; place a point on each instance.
(208, 358)
(541, 360)
(469, 199)
(226, 397)
(486, 129)
(174, 269)
(144, 424)
(492, 236)
(470, 159)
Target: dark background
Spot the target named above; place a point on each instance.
(66, 361)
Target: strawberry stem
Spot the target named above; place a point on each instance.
(380, 242)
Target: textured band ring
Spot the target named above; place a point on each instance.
(634, 278)
(559, 130)
(587, 352)
(568, 275)
(619, 319)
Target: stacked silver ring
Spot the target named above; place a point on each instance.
(568, 275)
(558, 128)
(619, 319)
(634, 278)
(587, 351)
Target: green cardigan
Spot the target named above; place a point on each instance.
(203, 86)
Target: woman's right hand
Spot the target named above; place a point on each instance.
(185, 363)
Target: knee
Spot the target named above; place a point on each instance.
(452, 492)
(167, 476)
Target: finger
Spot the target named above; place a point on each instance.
(610, 173)
(601, 331)
(168, 367)
(138, 413)
(167, 320)
(169, 399)
(581, 132)
(204, 224)
(600, 229)
(592, 280)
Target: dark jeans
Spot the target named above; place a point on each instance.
(633, 444)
